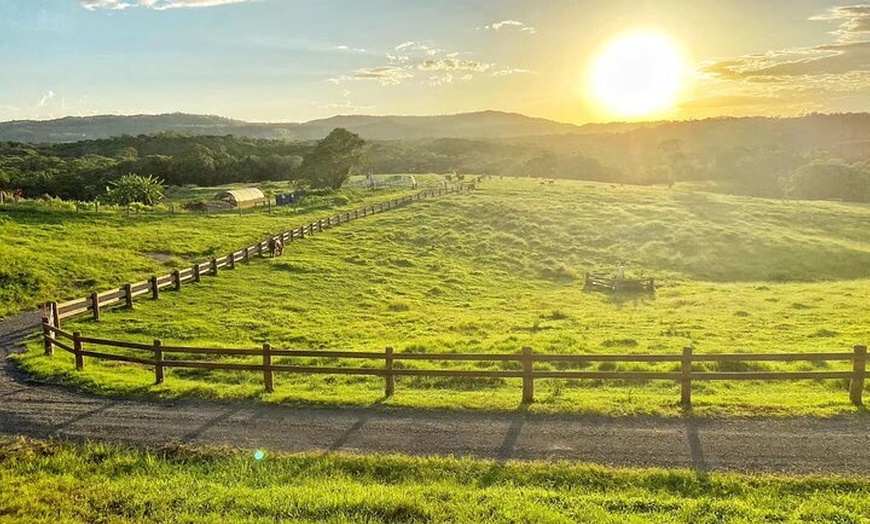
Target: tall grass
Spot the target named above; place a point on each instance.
(63, 483)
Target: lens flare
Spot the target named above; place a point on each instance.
(259, 455)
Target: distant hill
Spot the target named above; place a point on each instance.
(482, 125)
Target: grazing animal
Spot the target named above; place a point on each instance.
(276, 247)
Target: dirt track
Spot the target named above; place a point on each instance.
(796, 445)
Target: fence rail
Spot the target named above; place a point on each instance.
(126, 294)
(156, 356)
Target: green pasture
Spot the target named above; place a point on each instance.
(45, 482)
(502, 268)
(51, 252)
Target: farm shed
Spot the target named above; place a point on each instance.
(249, 197)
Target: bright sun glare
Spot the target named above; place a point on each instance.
(638, 74)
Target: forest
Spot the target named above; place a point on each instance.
(814, 158)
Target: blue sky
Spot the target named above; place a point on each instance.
(296, 60)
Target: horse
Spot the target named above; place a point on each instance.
(276, 247)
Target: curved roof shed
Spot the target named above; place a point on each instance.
(244, 197)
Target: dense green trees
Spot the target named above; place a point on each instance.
(333, 159)
(795, 168)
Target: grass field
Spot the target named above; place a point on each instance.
(502, 268)
(63, 483)
(50, 253)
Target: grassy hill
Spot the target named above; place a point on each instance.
(51, 252)
(502, 268)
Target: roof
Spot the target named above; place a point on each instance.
(242, 195)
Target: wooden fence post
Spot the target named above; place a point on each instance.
(197, 277)
(176, 278)
(528, 378)
(47, 337)
(77, 350)
(328, 222)
(247, 254)
(155, 289)
(128, 295)
(686, 379)
(158, 361)
(232, 260)
(54, 314)
(389, 378)
(268, 377)
(859, 370)
(260, 249)
(214, 268)
(95, 305)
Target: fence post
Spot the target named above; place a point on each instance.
(54, 314)
(528, 378)
(128, 295)
(77, 350)
(47, 337)
(268, 378)
(232, 260)
(260, 249)
(176, 278)
(155, 289)
(95, 304)
(158, 361)
(214, 268)
(328, 222)
(247, 254)
(686, 379)
(859, 370)
(197, 277)
(389, 378)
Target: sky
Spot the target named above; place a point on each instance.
(298, 60)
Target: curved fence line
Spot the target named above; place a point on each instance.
(126, 294)
(162, 357)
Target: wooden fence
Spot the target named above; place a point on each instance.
(600, 281)
(125, 295)
(163, 357)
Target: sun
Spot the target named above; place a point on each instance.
(640, 73)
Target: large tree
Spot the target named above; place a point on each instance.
(333, 160)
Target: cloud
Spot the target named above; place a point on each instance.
(412, 46)
(158, 5)
(855, 21)
(45, 99)
(513, 71)
(831, 59)
(350, 49)
(511, 24)
(453, 64)
(385, 75)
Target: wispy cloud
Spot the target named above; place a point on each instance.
(453, 64)
(511, 24)
(806, 61)
(350, 49)
(386, 75)
(158, 5)
(512, 72)
(45, 99)
(854, 21)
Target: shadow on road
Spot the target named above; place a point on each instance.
(508, 446)
(696, 449)
(361, 421)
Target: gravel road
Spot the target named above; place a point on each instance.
(792, 445)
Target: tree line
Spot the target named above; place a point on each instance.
(84, 170)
